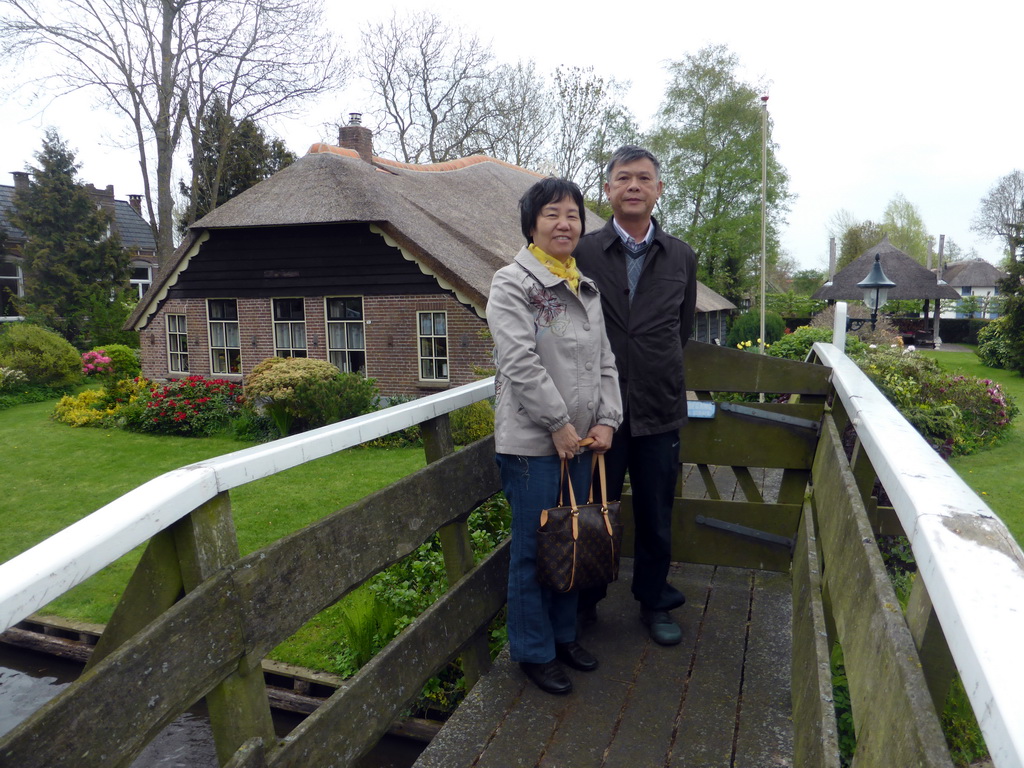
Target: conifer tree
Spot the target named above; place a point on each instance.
(75, 267)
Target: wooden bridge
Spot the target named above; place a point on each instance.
(776, 553)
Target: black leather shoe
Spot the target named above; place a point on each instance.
(664, 631)
(576, 656)
(549, 676)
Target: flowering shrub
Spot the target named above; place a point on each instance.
(311, 392)
(96, 363)
(194, 407)
(11, 378)
(747, 327)
(86, 409)
(958, 415)
(797, 344)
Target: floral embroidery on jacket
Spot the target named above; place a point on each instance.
(550, 311)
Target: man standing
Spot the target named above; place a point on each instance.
(648, 284)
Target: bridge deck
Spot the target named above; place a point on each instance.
(720, 698)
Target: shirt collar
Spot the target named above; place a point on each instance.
(628, 239)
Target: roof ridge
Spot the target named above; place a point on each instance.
(449, 165)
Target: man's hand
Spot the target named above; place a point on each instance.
(602, 437)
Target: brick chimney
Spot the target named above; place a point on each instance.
(20, 180)
(356, 136)
(135, 201)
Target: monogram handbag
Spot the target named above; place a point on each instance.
(578, 545)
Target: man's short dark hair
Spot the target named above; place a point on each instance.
(549, 190)
(627, 154)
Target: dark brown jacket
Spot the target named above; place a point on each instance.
(648, 336)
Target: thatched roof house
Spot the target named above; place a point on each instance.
(352, 258)
(913, 281)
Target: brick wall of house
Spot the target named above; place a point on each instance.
(390, 336)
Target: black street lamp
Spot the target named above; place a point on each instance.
(876, 289)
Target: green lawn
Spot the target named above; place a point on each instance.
(55, 474)
(994, 474)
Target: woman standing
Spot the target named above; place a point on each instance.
(556, 382)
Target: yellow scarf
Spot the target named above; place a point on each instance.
(566, 271)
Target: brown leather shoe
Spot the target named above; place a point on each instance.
(549, 676)
(576, 656)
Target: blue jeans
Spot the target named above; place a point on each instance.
(537, 617)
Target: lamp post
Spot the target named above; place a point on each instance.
(764, 211)
(876, 289)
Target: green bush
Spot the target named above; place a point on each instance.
(45, 357)
(304, 393)
(123, 359)
(797, 345)
(472, 423)
(958, 415)
(747, 327)
(993, 345)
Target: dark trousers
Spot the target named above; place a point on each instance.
(653, 465)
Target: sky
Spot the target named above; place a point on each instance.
(867, 100)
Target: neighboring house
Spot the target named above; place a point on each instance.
(134, 231)
(378, 266)
(912, 281)
(976, 278)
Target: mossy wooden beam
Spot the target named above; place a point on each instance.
(731, 438)
(816, 734)
(355, 718)
(713, 368)
(894, 719)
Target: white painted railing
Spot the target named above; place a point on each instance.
(34, 578)
(969, 561)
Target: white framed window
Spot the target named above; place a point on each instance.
(225, 340)
(141, 279)
(12, 285)
(346, 333)
(433, 345)
(289, 327)
(177, 344)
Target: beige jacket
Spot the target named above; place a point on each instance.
(554, 363)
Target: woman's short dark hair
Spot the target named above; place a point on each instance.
(549, 190)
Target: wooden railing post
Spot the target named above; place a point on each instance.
(456, 547)
(936, 660)
(239, 708)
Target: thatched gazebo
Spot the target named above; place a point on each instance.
(912, 282)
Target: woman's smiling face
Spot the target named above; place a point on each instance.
(557, 229)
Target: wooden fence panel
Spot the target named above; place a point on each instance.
(894, 719)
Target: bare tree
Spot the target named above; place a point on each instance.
(160, 62)
(1001, 212)
(583, 101)
(522, 130)
(434, 84)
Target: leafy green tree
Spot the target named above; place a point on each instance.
(856, 239)
(1012, 288)
(74, 262)
(228, 158)
(709, 140)
(903, 224)
(807, 281)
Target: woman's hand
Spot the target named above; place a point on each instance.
(602, 436)
(566, 441)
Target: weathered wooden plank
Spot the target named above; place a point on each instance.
(764, 735)
(694, 542)
(706, 731)
(106, 718)
(936, 660)
(816, 735)
(657, 687)
(894, 718)
(324, 561)
(731, 439)
(249, 755)
(747, 484)
(154, 586)
(721, 369)
(355, 718)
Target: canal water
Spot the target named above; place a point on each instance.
(29, 679)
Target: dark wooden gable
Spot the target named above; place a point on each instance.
(315, 260)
